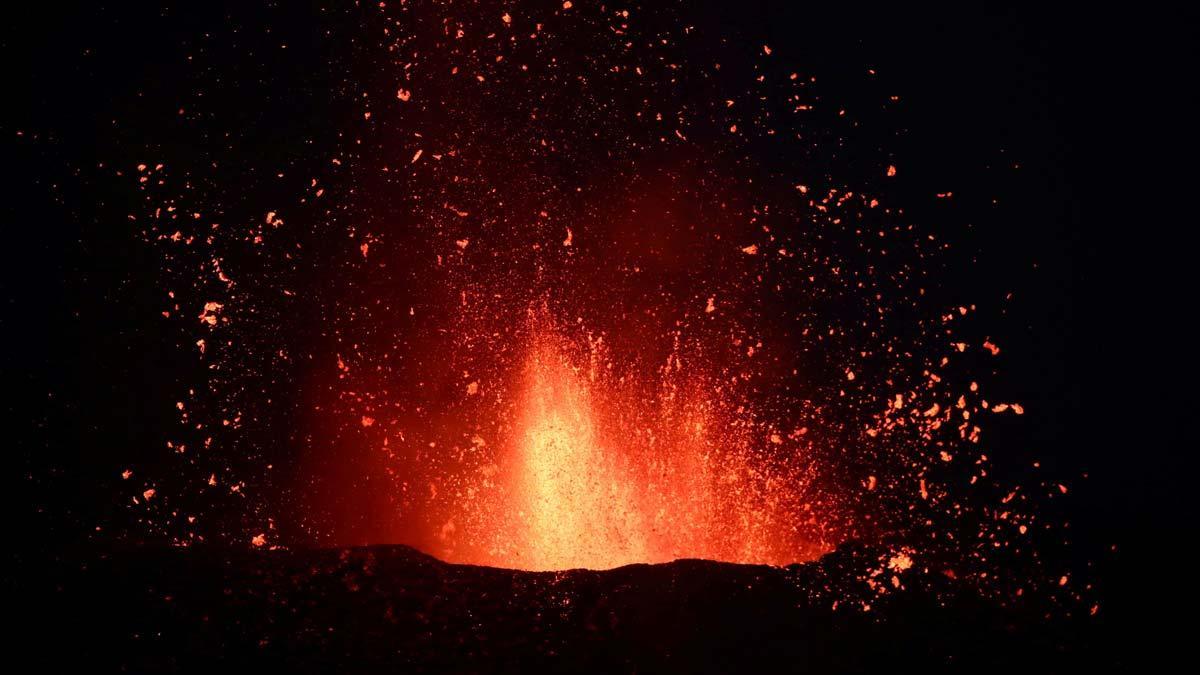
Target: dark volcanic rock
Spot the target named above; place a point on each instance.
(392, 607)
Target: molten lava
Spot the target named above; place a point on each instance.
(578, 506)
(741, 345)
(593, 476)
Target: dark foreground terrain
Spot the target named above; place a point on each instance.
(392, 608)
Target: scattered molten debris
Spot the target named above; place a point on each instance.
(557, 292)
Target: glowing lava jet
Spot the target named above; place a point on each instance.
(596, 477)
(579, 508)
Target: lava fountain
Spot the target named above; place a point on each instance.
(597, 474)
(578, 505)
(740, 346)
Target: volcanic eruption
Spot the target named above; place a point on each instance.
(596, 473)
(683, 324)
(446, 328)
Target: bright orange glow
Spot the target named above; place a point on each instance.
(595, 477)
(578, 506)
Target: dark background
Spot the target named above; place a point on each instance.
(1090, 235)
